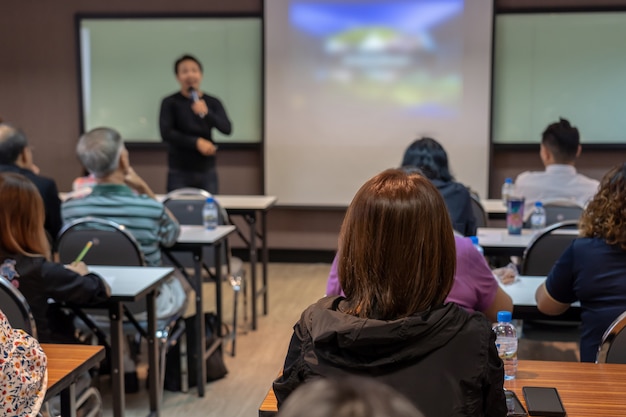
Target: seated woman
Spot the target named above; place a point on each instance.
(396, 265)
(592, 269)
(24, 252)
(474, 288)
(429, 156)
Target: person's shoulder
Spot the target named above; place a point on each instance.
(210, 98)
(177, 96)
(528, 176)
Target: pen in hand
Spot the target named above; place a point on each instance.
(82, 253)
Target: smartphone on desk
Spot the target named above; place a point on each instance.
(514, 407)
(543, 401)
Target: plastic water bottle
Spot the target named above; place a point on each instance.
(209, 214)
(476, 245)
(508, 190)
(538, 217)
(506, 342)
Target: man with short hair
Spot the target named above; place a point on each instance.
(560, 146)
(17, 156)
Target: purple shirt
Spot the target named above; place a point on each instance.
(474, 286)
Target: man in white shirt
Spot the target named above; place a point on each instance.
(560, 146)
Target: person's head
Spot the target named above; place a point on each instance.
(347, 397)
(429, 156)
(14, 149)
(102, 152)
(188, 70)
(21, 216)
(605, 215)
(560, 143)
(396, 247)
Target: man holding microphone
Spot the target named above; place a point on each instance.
(186, 121)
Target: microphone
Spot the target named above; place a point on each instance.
(195, 98)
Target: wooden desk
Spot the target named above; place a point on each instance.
(129, 284)
(586, 389)
(248, 207)
(193, 239)
(65, 364)
(522, 293)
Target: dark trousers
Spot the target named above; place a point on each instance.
(206, 180)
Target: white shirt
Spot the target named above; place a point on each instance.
(558, 183)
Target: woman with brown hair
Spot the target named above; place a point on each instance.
(24, 252)
(396, 267)
(592, 269)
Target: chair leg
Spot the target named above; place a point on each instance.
(234, 331)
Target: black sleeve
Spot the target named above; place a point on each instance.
(470, 219)
(65, 285)
(292, 375)
(494, 401)
(217, 116)
(169, 133)
(52, 205)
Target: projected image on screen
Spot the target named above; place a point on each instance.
(403, 53)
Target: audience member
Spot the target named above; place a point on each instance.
(17, 156)
(474, 288)
(592, 269)
(103, 154)
(347, 397)
(24, 249)
(559, 149)
(23, 370)
(396, 265)
(430, 157)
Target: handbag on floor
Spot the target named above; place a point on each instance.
(216, 368)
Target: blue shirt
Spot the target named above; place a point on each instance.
(594, 273)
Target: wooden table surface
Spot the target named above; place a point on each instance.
(586, 389)
(66, 362)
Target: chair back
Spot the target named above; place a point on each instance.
(112, 245)
(547, 246)
(479, 211)
(613, 346)
(186, 205)
(16, 308)
(558, 212)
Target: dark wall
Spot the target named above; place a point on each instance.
(39, 92)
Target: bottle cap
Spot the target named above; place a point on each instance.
(505, 316)
(538, 204)
(509, 180)
(474, 239)
(210, 199)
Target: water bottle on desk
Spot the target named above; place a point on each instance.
(477, 245)
(508, 190)
(538, 217)
(506, 343)
(209, 214)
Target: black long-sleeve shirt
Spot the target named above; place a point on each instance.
(181, 127)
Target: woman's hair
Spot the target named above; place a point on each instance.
(21, 217)
(347, 397)
(605, 215)
(396, 247)
(428, 155)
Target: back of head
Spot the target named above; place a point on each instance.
(605, 215)
(429, 156)
(12, 143)
(562, 140)
(347, 397)
(396, 247)
(21, 216)
(99, 151)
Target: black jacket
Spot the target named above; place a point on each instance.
(459, 205)
(444, 361)
(50, 195)
(41, 281)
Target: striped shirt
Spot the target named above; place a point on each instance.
(145, 218)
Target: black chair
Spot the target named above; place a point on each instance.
(557, 212)
(18, 312)
(113, 245)
(186, 205)
(613, 346)
(546, 247)
(16, 308)
(479, 211)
